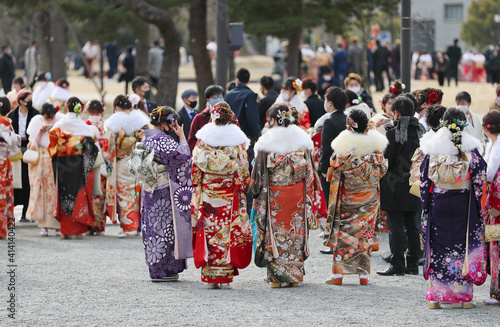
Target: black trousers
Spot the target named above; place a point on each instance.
(441, 76)
(22, 196)
(404, 235)
(326, 188)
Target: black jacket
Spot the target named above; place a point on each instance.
(14, 117)
(332, 127)
(265, 103)
(7, 71)
(367, 98)
(316, 108)
(243, 102)
(186, 120)
(394, 186)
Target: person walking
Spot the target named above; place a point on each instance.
(129, 66)
(31, 64)
(354, 60)
(7, 68)
(155, 61)
(454, 55)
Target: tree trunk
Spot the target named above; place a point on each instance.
(197, 40)
(141, 53)
(231, 65)
(167, 86)
(54, 42)
(293, 64)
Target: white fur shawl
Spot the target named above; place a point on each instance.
(226, 135)
(363, 143)
(283, 140)
(492, 157)
(73, 124)
(440, 143)
(130, 122)
(36, 125)
(295, 102)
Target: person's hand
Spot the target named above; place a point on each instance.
(178, 130)
(45, 128)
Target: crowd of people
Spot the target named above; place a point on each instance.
(250, 178)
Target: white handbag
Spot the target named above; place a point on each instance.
(31, 157)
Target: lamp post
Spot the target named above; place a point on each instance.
(406, 44)
(222, 44)
(496, 18)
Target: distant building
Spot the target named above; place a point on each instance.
(437, 22)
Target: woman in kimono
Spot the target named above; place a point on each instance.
(452, 174)
(9, 143)
(42, 183)
(220, 176)
(358, 165)
(166, 208)
(283, 184)
(73, 155)
(124, 129)
(95, 111)
(491, 126)
(289, 96)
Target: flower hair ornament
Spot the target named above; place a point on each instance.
(351, 123)
(285, 114)
(77, 108)
(171, 119)
(394, 90)
(297, 84)
(455, 127)
(215, 112)
(356, 101)
(57, 108)
(433, 98)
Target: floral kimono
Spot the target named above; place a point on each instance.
(451, 192)
(492, 156)
(123, 130)
(166, 211)
(42, 182)
(358, 165)
(284, 182)
(220, 176)
(98, 200)
(73, 155)
(9, 142)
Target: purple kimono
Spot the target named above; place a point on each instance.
(166, 213)
(445, 213)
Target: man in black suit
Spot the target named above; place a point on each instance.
(187, 112)
(21, 118)
(454, 55)
(315, 105)
(7, 68)
(270, 95)
(140, 86)
(335, 102)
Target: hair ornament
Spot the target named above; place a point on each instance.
(171, 119)
(352, 123)
(394, 90)
(433, 98)
(57, 108)
(215, 112)
(297, 84)
(487, 126)
(282, 115)
(77, 108)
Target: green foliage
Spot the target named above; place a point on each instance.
(480, 29)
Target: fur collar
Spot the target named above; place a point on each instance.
(492, 157)
(363, 143)
(226, 135)
(440, 143)
(283, 140)
(295, 102)
(129, 122)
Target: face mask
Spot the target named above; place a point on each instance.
(94, 119)
(285, 96)
(355, 89)
(325, 105)
(147, 94)
(498, 101)
(29, 104)
(213, 102)
(327, 78)
(463, 109)
(9, 51)
(193, 104)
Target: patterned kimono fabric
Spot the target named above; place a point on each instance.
(358, 165)
(6, 177)
(446, 186)
(220, 176)
(492, 155)
(42, 183)
(285, 184)
(73, 160)
(166, 212)
(98, 201)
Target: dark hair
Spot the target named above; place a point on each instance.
(95, 107)
(350, 97)
(226, 115)
(165, 115)
(360, 118)
(434, 116)
(231, 85)
(281, 113)
(387, 97)
(498, 90)
(455, 41)
(267, 82)
(403, 105)
(463, 96)
(19, 80)
(138, 82)
(121, 101)
(48, 109)
(212, 90)
(22, 95)
(423, 96)
(309, 84)
(451, 115)
(337, 97)
(288, 84)
(4, 106)
(72, 102)
(492, 119)
(243, 75)
(156, 43)
(413, 99)
(396, 88)
(42, 77)
(60, 82)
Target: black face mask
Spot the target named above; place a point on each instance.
(147, 94)
(193, 104)
(29, 104)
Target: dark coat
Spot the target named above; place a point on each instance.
(265, 103)
(129, 65)
(150, 106)
(367, 98)
(186, 120)
(395, 186)
(243, 102)
(316, 108)
(14, 117)
(331, 129)
(198, 122)
(7, 71)
(454, 54)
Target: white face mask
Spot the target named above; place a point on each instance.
(355, 89)
(94, 119)
(327, 78)
(285, 96)
(464, 109)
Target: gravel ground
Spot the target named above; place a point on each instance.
(103, 281)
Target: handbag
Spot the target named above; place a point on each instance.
(18, 156)
(31, 157)
(492, 232)
(415, 189)
(99, 160)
